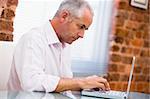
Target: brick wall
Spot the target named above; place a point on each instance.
(7, 14)
(130, 36)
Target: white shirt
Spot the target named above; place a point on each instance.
(39, 61)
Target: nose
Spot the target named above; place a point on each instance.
(81, 34)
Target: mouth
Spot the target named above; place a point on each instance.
(75, 38)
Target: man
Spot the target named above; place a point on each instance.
(41, 60)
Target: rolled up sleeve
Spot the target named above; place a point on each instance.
(54, 82)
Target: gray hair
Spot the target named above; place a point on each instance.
(75, 7)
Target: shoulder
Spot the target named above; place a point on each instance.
(34, 37)
(35, 34)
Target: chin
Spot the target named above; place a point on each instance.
(70, 42)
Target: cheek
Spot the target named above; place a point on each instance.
(72, 31)
(67, 35)
(72, 28)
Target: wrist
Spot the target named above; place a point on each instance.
(80, 82)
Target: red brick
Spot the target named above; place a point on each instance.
(125, 86)
(112, 85)
(138, 78)
(146, 70)
(147, 87)
(128, 69)
(140, 87)
(122, 14)
(119, 22)
(126, 50)
(121, 68)
(143, 27)
(138, 17)
(6, 25)
(130, 35)
(127, 41)
(113, 68)
(146, 35)
(115, 48)
(138, 34)
(147, 44)
(121, 32)
(133, 86)
(119, 39)
(137, 42)
(131, 25)
(136, 51)
(145, 53)
(115, 58)
(12, 2)
(143, 61)
(8, 14)
(124, 4)
(146, 18)
(126, 60)
(137, 69)
(2, 36)
(6, 37)
(148, 78)
(124, 77)
(119, 86)
(113, 76)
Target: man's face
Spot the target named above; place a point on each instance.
(76, 28)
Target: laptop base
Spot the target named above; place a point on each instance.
(108, 94)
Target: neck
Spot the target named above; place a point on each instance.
(55, 25)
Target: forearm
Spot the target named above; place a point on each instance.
(69, 84)
(82, 83)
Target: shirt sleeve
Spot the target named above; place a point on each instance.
(29, 61)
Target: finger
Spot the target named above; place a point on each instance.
(105, 82)
(100, 86)
(108, 87)
(96, 89)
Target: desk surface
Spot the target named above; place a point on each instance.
(42, 95)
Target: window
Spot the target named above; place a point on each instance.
(89, 53)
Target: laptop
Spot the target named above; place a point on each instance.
(111, 94)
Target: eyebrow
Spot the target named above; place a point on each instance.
(86, 28)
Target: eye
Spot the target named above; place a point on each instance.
(82, 27)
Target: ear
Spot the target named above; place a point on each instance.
(64, 16)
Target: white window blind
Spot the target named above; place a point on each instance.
(89, 55)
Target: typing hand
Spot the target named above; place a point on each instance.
(95, 82)
(99, 89)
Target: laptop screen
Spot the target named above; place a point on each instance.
(131, 73)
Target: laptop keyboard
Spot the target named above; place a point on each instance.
(105, 94)
(112, 92)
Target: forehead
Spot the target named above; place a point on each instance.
(86, 18)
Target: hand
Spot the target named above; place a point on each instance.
(95, 82)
